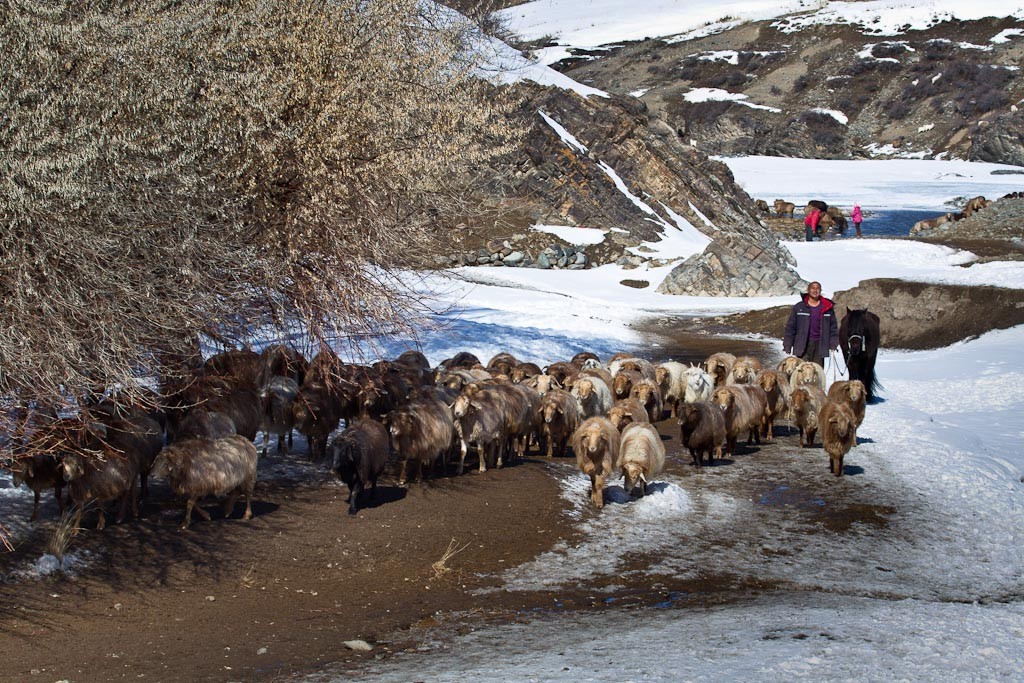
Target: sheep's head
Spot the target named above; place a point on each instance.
(584, 388)
(723, 398)
(689, 415)
(767, 381)
(660, 375)
(841, 423)
(620, 417)
(855, 390)
(461, 406)
(73, 466)
(21, 470)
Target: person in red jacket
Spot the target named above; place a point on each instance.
(811, 331)
(811, 224)
(857, 217)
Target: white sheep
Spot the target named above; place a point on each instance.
(641, 455)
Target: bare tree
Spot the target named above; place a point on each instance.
(171, 168)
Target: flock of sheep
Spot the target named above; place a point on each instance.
(201, 438)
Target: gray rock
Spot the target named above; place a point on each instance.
(515, 257)
(543, 261)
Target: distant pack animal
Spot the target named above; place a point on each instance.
(784, 208)
(816, 204)
(930, 223)
(596, 445)
(975, 204)
(641, 455)
(860, 334)
(702, 429)
(762, 206)
(838, 433)
(358, 456)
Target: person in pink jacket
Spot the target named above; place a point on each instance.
(857, 217)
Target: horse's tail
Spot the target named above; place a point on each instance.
(871, 382)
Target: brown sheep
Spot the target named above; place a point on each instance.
(317, 414)
(100, 479)
(480, 420)
(762, 206)
(776, 389)
(200, 422)
(421, 431)
(853, 394)
(718, 366)
(240, 366)
(671, 379)
(140, 438)
(562, 371)
(808, 372)
(805, 404)
(838, 433)
(641, 455)
(580, 359)
(523, 372)
(622, 383)
(358, 456)
(559, 416)
(196, 468)
(596, 445)
(744, 370)
(279, 360)
(277, 400)
(930, 223)
(626, 412)
(242, 405)
(40, 471)
(744, 407)
(502, 364)
(975, 204)
(702, 430)
(649, 394)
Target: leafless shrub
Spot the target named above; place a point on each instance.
(174, 169)
(441, 566)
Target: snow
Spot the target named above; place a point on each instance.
(719, 95)
(837, 115)
(894, 184)
(572, 235)
(566, 137)
(1005, 35)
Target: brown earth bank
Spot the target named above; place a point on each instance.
(914, 315)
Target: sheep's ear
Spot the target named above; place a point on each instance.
(556, 384)
(833, 420)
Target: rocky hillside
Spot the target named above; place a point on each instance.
(828, 91)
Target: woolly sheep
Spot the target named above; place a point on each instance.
(559, 418)
(596, 445)
(853, 393)
(805, 404)
(838, 433)
(718, 366)
(744, 406)
(671, 379)
(641, 455)
(702, 430)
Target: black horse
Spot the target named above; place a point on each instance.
(859, 336)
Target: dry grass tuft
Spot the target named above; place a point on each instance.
(248, 579)
(441, 566)
(62, 534)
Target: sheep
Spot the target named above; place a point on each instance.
(647, 392)
(838, 433)
(543, 383)
(209, 424)
(196, 468)
(627, 411)
(480, 420)
(40, 471)
(808, 372)
(644, 367)
(776, 389)
(782, 207)
(277, 398)
(456, 378)
(930, 223)
(596, 445)
(521, 421)
(414, 359)
(702, 430)
(108, 476)
(240, 366)
(562, 371)
(598, 372)
(718, 366)
(593, 395)
(523, 372)
(358, 456)
(744, 407)
(975, 204)
(560, 417)
(279, 360)
(787, 365)
(853, 393)
(744, 370)
(502, 364)
(421, 432)
(671, 379)
(242, 405)
(641, 455)
(761, 206)
(138, 437)
(699, 385)
(581, 358)
(463, 359)
(317, 413)
(805, 404)
(623, 382)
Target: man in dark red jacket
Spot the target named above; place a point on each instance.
(811, 331)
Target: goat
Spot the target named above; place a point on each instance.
(805, 404)
(596, 445)
(196, 468)
(358, 456)
(699, 385)
(838, 433)
(744, 406)
(702, 430)
(641, 455)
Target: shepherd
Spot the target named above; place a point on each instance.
(811, 331)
